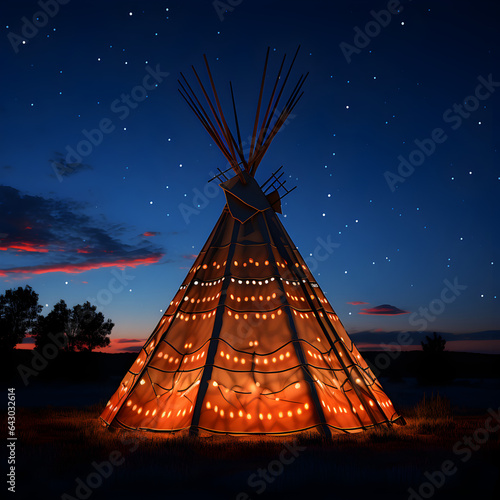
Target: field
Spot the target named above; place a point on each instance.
(448, 449)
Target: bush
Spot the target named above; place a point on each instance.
(432, 415)
(434, 408)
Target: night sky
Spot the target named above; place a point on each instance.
(393, 147)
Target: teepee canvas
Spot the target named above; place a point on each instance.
(249, 344)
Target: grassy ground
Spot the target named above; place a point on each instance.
(57, 447)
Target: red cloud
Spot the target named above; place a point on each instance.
(383, 310)
(25, 246)
(189, 256)
(45, 226)
(150, 233)
(357, 303)
(84, 266)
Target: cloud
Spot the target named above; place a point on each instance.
(482, 335)
(24, 246)
(57, 236)
(81, 268)
(357, 303)
(148, 234)
(129, 349)
(383, 310)
(129, 341)
(387, 337)
(189, 256)
(61, 168)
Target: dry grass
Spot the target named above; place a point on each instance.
(58, 445)
(431, 415)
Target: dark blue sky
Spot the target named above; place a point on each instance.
(399, 239)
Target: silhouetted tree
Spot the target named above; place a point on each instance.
(434, 344)
(80, 328)
(55, 324)
(88, 329)
(435, 364)
(19, 309)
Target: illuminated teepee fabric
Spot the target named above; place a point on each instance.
(249, 344)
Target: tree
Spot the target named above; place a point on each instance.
(88, 329)
(55, 324)
(433, 345)
(19, 309)
(80, 328)
(435, 363)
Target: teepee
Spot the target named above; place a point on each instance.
(249, 344)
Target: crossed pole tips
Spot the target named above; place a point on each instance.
(264, 130)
